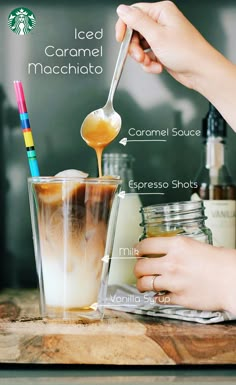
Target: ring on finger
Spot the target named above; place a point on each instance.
(158, 293)
(153, 282)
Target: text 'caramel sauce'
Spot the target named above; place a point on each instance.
(98, 133)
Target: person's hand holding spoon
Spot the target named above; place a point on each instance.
(101, 126)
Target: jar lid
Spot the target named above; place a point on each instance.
(170, 212)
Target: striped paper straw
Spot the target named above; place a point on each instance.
(26, 130)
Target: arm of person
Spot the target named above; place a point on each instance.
(178, 47)
(195, 275)
(217, 82)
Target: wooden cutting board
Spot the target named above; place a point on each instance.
(120, 339)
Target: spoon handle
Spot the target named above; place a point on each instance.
(119, 64)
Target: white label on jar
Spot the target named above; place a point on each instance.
(221, 221)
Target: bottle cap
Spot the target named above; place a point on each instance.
(214, 124)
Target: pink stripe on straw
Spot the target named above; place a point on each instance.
(20, 97)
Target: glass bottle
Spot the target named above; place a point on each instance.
(128, 221)
(173, 219)
(214, 183)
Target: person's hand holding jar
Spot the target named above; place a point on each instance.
(193, 274)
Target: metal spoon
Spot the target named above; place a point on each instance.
(107, 112)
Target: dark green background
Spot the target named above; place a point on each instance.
(58, 105)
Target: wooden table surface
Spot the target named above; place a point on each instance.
(120, 339)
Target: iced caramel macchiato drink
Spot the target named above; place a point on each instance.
(70, 226)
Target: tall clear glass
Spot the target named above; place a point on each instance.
(73, 223)
(128, 223)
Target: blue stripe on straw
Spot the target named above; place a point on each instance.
(25, 123)
(34, 169)
(31, 154)
(24, 116)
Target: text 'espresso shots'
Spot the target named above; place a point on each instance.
(160, 185)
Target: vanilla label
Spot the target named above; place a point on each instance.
(221, 221)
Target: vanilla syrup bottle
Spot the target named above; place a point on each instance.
(128, 228)
(214, 183)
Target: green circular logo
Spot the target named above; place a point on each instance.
(21, 21)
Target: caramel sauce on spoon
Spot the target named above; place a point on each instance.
(98, 133)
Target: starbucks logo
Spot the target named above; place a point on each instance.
(21, 21)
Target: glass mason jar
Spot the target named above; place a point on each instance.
(179, 218)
